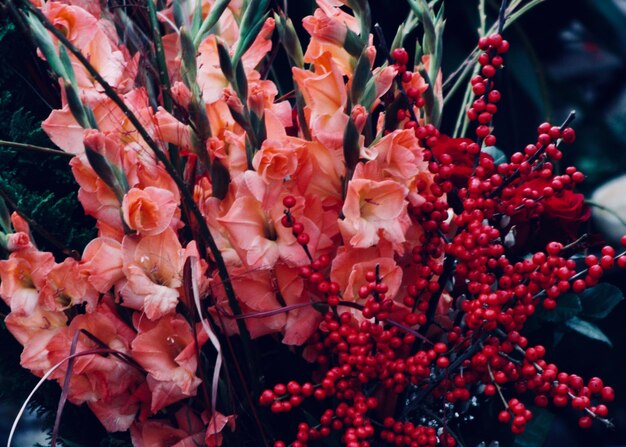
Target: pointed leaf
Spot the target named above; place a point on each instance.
(105, 171)
(567, 306)
(536, 430)
(289, 39)
(599, 301)
(225, 63)
(211, 20)
(242, 82)
(67, 66)
(362, 74)
(188, 56)
(588, 329)
(5, 217)
(351, 146)
(76, 105)
(220, 179)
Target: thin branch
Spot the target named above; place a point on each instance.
(34, 148)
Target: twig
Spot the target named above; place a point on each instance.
(34, 148)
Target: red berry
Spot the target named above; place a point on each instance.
(585, 422)
(504, 416)
(289, 201)
(488, 71)
(607, 394)
(400, 56)
(297, 228)
(595, 385)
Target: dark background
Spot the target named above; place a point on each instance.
(564, 55)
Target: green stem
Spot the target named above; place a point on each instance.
(164, 77)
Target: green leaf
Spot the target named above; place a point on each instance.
(362, 74)
(5, 217)
(567, 306)
(244, 43)
(597, 302)
(536, 430)
(76, 105)
(242, 81)
(67, 66)
(289, 39)
(211, 20)
(351, 146)
(188, 56)
(353, 43)
(587, 329)
(105, 171)
(220, 179)
(225, 63)
(44, 42)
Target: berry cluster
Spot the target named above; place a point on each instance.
(466, 281)
(487, 98)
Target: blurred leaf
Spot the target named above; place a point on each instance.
(536, 430)
(616, 117)
(597, 302)
(613, 17)
(557, 337)
(521, 65)
(497, 154)
(588, 329)
(567, 306)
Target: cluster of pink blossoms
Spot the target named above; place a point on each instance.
(335, 217)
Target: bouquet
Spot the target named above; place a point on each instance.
(312, 264)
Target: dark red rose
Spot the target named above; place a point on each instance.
(558, 218)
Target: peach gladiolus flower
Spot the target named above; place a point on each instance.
(373, 210)
(76, 24)
(257, 291)
(254, 229)
(153, 269)
(18, 241)
(166, 349)
(172, 131)
(327, 29)
(328, 22)
(102, 263)
(397, 156)
(98, 379)
(324, 90)
(156, 433)
(210, 77)
(190, 432)
(149, 211)
(278, 160)
(325, 95)
(350, 265)
(65, 287)
(215, 426)
(34, 331)
(21, 278)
